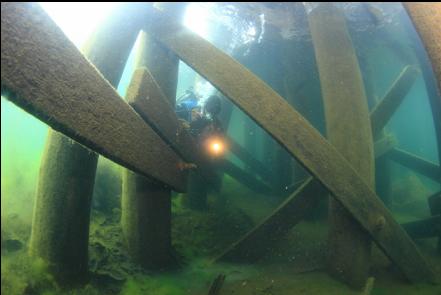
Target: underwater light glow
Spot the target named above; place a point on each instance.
(216, 146)
(78, 19)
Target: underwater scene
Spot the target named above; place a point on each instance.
(262, 148)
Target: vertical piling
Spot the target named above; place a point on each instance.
(60, 227)
(348, 129)
(146, 221)
(426, 18)
(166, 76)
(146, 207)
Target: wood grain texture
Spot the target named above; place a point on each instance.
(152, 105)
(348, 129)
(44, 73)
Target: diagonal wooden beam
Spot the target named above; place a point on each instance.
(45, 74)
(297, 136)
(418, 164)
(425, 228)
(384, 145)
(243, 177)
(248, 159)
(303, 197)
(387, 106)
(150, 103)
(261, 238)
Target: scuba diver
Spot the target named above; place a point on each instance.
(208, 130)
(202, 123)
(205, 123)
(186, 103)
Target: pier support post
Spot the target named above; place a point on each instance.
(146, 221)
(60, 228)
(348, 129)
(146, 207)
(60, 225)
(426, 18)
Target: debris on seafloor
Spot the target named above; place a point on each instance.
(217, 285)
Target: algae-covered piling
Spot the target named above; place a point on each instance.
(146, 221)
(348, 129)
(426, 17)
(146, 207)
(60, 227)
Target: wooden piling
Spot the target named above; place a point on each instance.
(146, 207)
(162, 63)
(426, 17)
(146, 221)
(165, 74)
(348, 129)
(60, 228)
(60, 225)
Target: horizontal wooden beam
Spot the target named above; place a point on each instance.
(297, 136)
(150, 103)
(248, 159)
(423, 229)
(384, 145)
(45, 74)
(243, 177)
(416, 163)
(261, 238)
(387, 106)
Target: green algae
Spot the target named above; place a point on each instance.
(21, 151)
(294, 267)
(22, 274)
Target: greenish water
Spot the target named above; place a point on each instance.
(269, 39)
